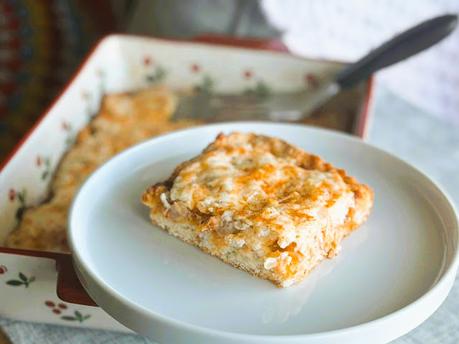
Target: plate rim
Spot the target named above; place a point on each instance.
(445, 280)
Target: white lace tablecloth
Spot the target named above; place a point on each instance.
(423, 140)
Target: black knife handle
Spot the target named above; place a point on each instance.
(402, 46)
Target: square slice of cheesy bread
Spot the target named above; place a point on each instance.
(261, 205)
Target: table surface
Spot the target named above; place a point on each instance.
(400, 128)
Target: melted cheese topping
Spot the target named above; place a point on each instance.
(261, 199)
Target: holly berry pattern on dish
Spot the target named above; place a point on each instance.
(61, 309)
(20, 196)
(155, 72)
(45, 162)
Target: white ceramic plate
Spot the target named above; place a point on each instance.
(390, 276)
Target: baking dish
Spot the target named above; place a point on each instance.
(41, 286)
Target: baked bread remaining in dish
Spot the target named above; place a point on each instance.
(260, 204)
(123, 120)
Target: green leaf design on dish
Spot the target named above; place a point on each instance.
(47, 170)
(68, 318)
(22, 280)
(22, 196)
(158, 75)
(14, 283)
(206, 85)
(77, 317)
(261, 90)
